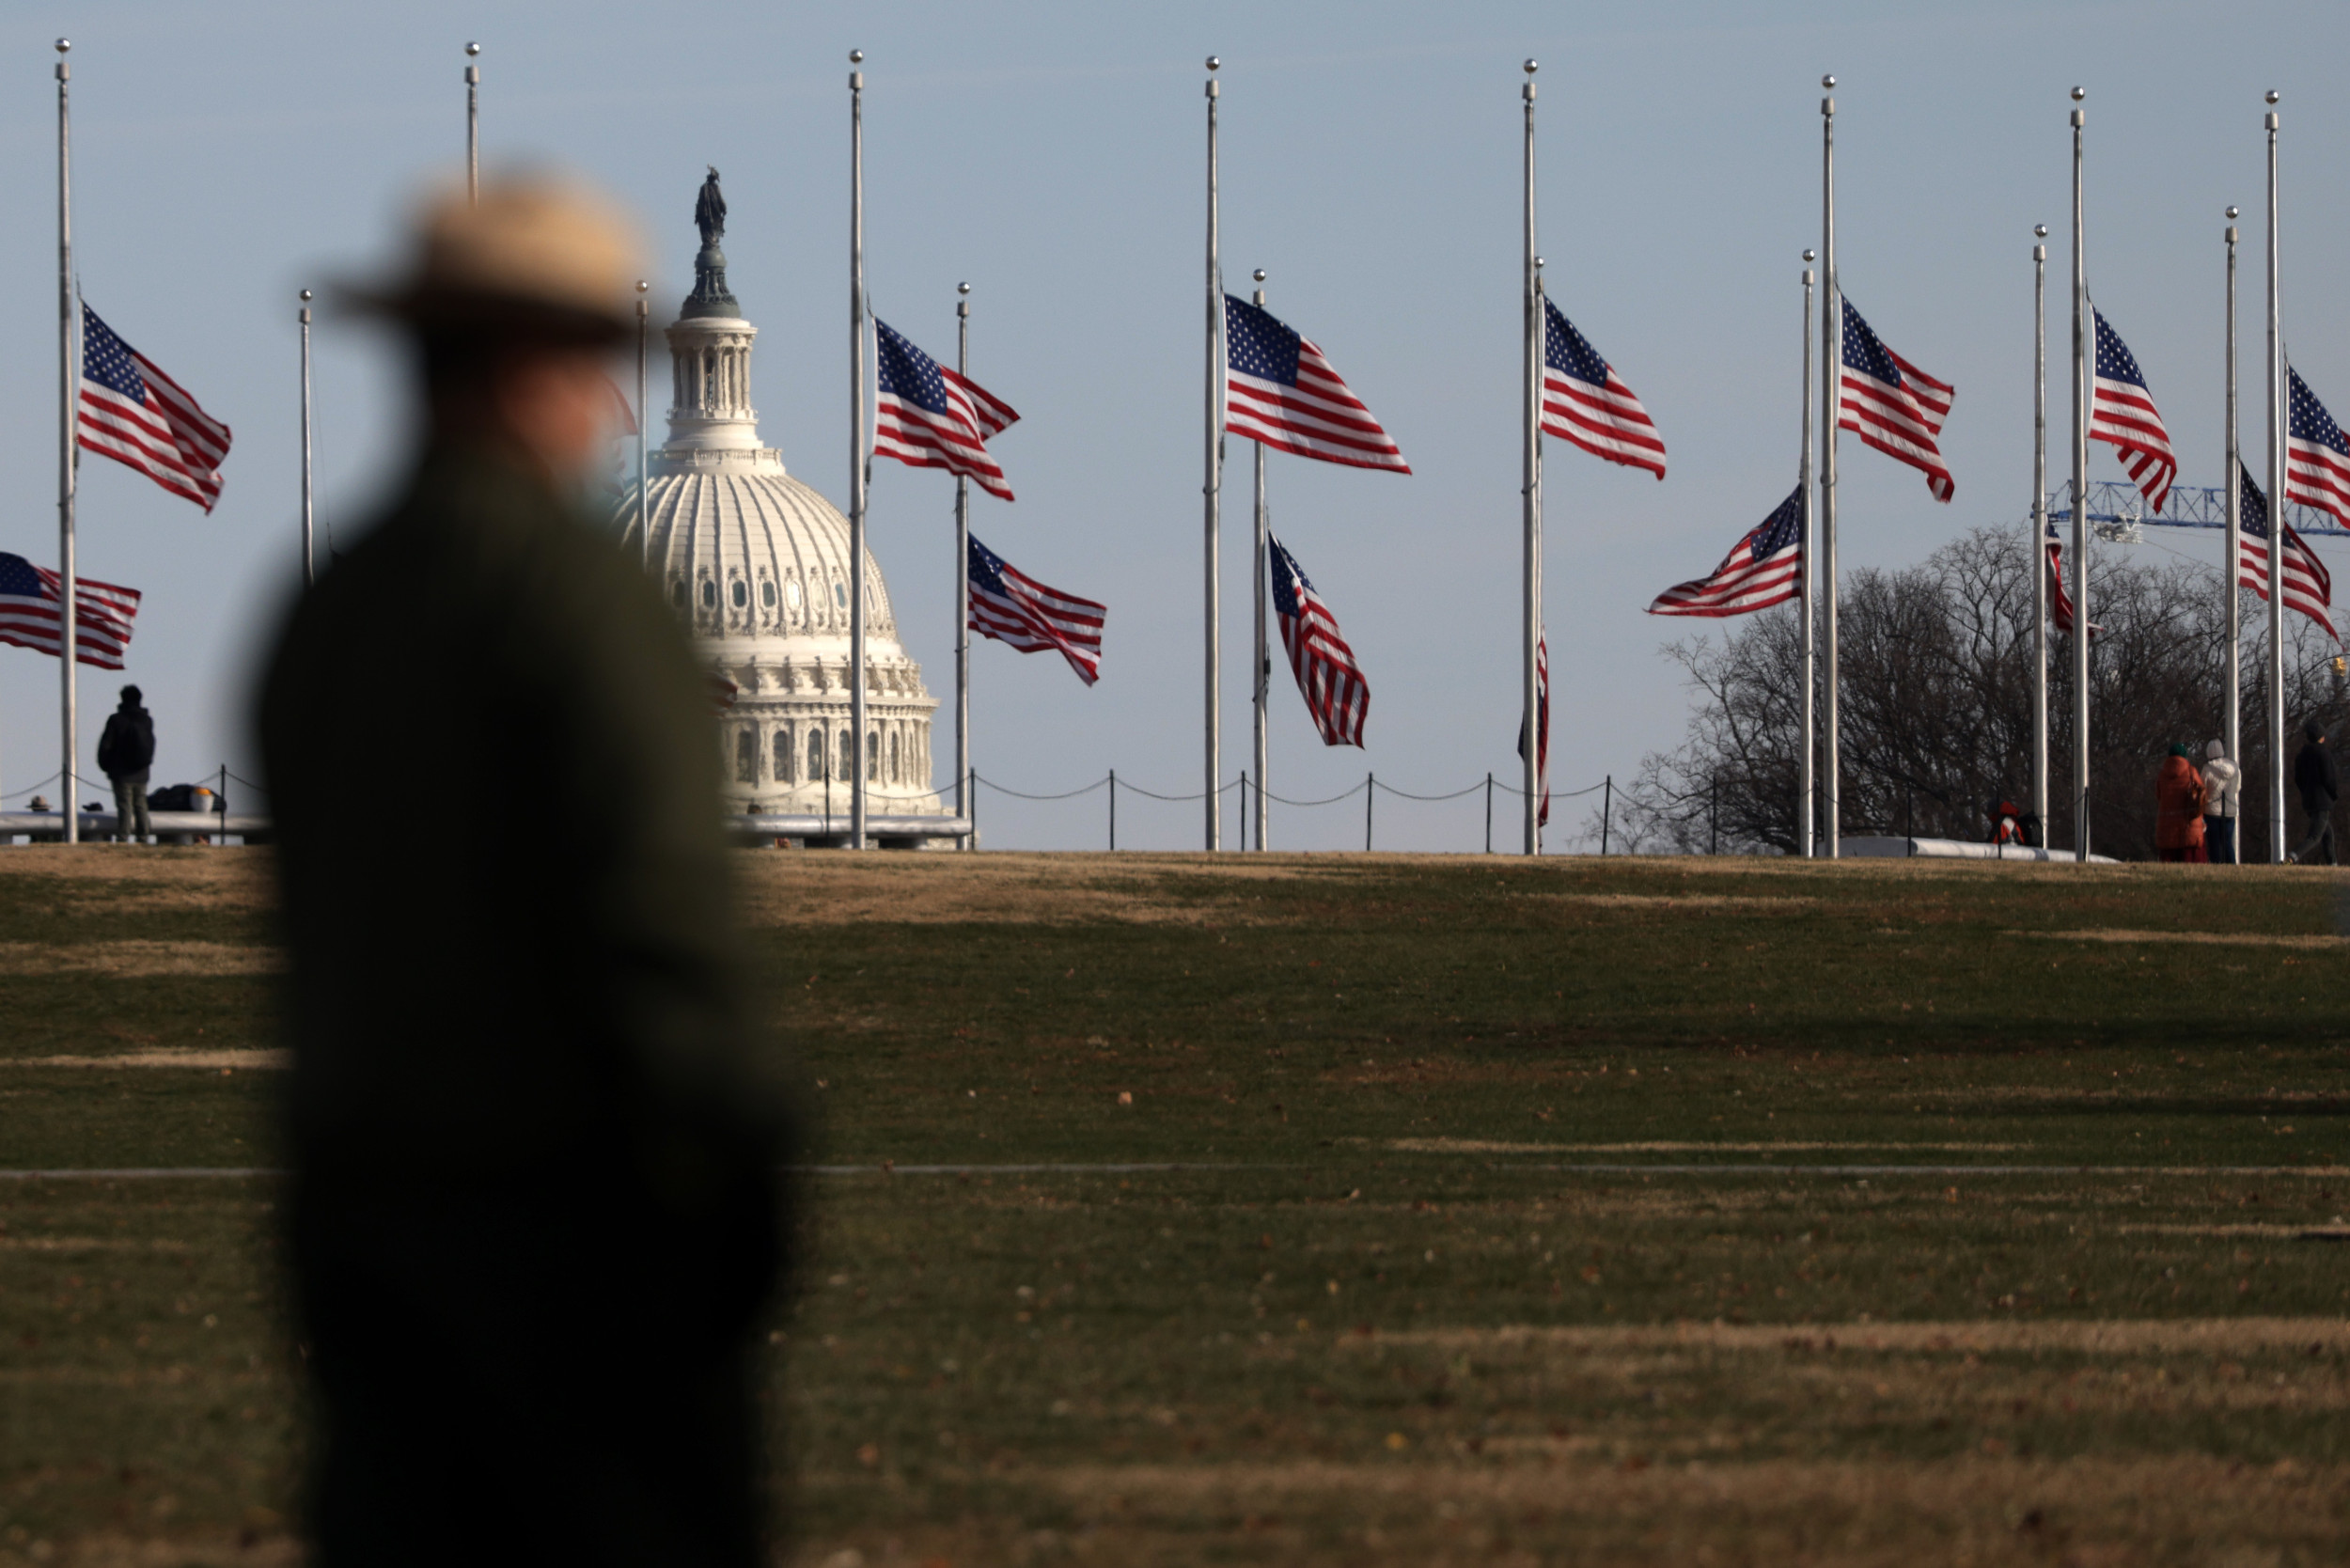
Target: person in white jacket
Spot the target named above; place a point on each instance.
(2223, 783)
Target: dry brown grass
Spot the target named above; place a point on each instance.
(233, 1059)
(138, 958)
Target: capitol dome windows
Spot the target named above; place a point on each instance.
(783, 755)
(740, 592)
(709, 594)
(791, 593)
(893, 757)
(847, 763)
(815, 769)
(676, 593)
(840, 595)
(745, 756)
(767, 593)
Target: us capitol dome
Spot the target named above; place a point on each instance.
(758, 564)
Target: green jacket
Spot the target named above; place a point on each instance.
(494, 784)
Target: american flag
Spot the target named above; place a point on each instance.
(2122, 414)
(1279, 390)
(927, 415)
(31, 610)
(134, 413)
(2307, 585)
(1765, 568)
(1327, 676)
(2059, 597)
(2317, 459)
(1585, 402)
(1014, 607)
(1891, 404)
(1542, 722)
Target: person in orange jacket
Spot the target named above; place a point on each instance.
(2179, 809)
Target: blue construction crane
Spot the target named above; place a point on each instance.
(2116, 506)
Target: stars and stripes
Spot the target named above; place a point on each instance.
(138, 415)
(1891, 404)
(1327, 677)
(927, 416)
(1765, 568)
(32, 610)
(2060, 596)
(1542, 724)
(1014, 607)
(1585, 402)
(2307, 586)
(1279, 390)
(2317, 459)
(2122, 414)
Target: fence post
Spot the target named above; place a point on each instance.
(1489, 813)
(221, 841)
(1713, 813)
(1606, 808)
(1113, 810)
(1371, 793)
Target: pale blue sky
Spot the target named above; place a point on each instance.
(229, 155)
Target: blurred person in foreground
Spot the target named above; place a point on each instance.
(2223, 784)
(2179, 809)
(535, 1218)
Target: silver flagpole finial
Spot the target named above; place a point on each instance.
(1532, 65)
(2273, 93)
(2232, 214)
(64, 44)
(473, 48)
(1259, 275)
(2079, 93)
(305, 296)
(857, 57)
(2039, 230)
(962, 288)
(1215, 64)
(1538, 264)
(1811, 255)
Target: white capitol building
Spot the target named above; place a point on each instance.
(759, 565)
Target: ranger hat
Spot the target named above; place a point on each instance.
(538, 255)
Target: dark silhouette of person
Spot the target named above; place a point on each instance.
(535, 1220)
(126, 750)
(2319, 786)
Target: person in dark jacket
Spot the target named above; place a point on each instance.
(536, 1135)
(2314, 776)
(126, 750)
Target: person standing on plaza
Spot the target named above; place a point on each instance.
(2179, 809)
(535, 1131)
(2223, 783)
(126, 750)
(2319, 786)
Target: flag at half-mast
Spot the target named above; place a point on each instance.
(2317, 459)
(1012, 608)
(928, 416)
(2122, 414)
(1763, 569)
(1585, 402)
(31, 602)
(1891, 404)
(2307, 586)
(1328, 678)
(133, 412)
(1279, 390)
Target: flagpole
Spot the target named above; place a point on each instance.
(2276, 522)
(644, 424)
(309, 515)
(2037, 558)
(1533, 495)
(2081, 499)
(963, 579)
(1215, 483)
(1806, 779)
(1263, 664)
(473, 124)
(857, 452)
(1831, 389)
(2235, 548)
(68, 376)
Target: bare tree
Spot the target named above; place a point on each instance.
(1936, 698)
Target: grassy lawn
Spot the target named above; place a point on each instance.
(1346, 1210)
